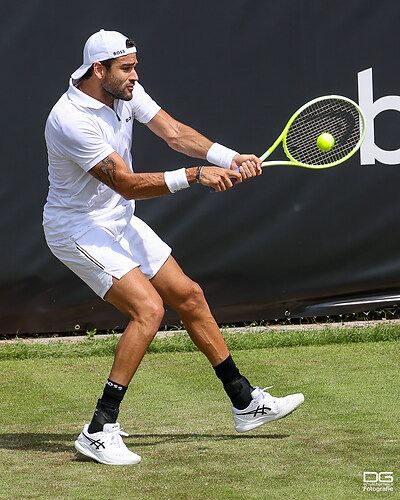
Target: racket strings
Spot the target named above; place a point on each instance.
(337, 117)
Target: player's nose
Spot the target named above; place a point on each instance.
(133, 77)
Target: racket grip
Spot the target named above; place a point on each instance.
(232, 180)
(236, 170)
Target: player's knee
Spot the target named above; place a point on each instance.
(193, 298)
(153, 312)
(149, 312)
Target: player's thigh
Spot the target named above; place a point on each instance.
(135, 296)
(175, 287)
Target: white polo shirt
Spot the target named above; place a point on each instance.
(80, 132)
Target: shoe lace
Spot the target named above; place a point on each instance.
(264, 393)
(265, 388)
(116, 439)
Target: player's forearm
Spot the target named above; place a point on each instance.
(142, 186)
(194, 144)
(189, 142)
(151, 185)
(179, 136)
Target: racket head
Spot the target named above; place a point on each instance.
(337, 115)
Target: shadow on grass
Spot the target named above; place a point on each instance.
(152, 439)
(64, 442)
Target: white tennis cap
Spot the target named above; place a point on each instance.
(101, 46)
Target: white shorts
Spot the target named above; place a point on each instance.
(103, 253)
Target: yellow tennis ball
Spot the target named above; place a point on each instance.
(325, 142)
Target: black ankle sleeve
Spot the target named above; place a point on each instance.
(227, 370)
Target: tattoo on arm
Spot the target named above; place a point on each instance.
(105, 171)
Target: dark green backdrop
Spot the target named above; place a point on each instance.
(306, 242)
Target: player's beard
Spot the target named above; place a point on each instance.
(115, 89)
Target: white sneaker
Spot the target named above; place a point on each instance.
(264, 408)
(106, 446)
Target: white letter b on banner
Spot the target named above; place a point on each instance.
(369, 150)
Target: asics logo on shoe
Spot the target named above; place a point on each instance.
(260, 410)
(95, 442)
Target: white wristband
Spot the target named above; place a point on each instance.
(176, 180)
(220, 155)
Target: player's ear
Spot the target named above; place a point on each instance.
(98, 70)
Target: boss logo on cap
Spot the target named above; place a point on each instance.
(119, 52)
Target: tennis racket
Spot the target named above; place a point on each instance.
(332, 114)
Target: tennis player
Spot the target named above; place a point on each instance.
(90, 226)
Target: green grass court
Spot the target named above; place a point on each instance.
(180, 420)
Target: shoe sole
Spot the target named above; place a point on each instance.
(253, 425)
(88, 453)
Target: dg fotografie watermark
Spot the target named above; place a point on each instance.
(378, 481)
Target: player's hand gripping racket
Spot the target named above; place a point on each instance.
(323, 133)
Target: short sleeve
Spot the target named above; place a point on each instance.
(144, 107)
(79, 138)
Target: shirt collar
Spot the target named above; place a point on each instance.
(79, 97)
